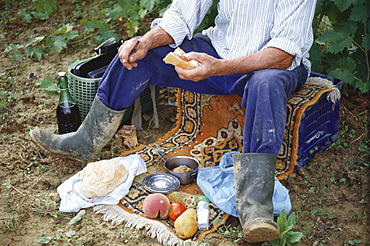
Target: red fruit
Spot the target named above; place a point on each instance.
(176, 209)
(156, 204)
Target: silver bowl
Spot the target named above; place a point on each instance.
(161, 183)
(187, 177)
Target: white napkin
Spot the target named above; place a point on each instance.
(72, 199)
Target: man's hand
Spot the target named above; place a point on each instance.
(131, 51)
(208, 66)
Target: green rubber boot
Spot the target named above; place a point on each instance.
(85, 144)
(254, 186)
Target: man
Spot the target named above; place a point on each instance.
(257, 49)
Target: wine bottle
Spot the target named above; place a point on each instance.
(68, 114)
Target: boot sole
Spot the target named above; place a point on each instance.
(51, 153)
(260, 232)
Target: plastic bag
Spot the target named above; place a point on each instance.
(217, 183)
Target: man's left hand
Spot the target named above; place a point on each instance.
(208, 66)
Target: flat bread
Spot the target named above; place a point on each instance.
(102, 177)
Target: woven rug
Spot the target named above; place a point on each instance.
(207, 127)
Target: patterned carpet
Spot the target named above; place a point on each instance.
(207, 127)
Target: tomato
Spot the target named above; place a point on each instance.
(176, 209)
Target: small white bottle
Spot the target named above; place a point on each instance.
(203, 213)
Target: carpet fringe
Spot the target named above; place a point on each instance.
(333, 95)
(155, 229)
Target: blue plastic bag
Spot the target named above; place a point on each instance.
(217, 183)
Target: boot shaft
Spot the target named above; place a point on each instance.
(254, 175)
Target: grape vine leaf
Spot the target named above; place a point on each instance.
(36, 52)
(366, 42)
(364, 87)
(344, 69)
(359, 13)
(72, 34)
(343, 4)
(339, 38)
(58, 43)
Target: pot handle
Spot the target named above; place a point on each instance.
(193, 175)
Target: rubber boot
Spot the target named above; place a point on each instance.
(254, 186)
(85, 144)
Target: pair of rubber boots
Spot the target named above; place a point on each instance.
(254, 173)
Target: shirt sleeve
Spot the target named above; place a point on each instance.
(182, 18)
(292, 31)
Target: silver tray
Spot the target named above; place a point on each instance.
(161, 183)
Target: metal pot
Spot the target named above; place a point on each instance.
(185, 178)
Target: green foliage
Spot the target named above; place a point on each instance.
(30, 48)
(57, 41)
(348, 135)
(48, 85)
(230, 231)
(77, 218)
(44, 240)
(3, 99)
(132, 11)
(209, 18)
(125, 14)
(341, 29)
(287, 236)
(40, 10)
(341, 47)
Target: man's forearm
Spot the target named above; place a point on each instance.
(156, 37)
(264, 59)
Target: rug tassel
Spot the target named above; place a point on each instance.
(333, 95)
(155, 229)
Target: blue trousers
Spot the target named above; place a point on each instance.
(264, 93)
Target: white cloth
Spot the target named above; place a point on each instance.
(72, 200)
(244, 27)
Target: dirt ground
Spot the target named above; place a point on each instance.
(330, 194)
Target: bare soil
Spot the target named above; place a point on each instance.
(330, 194)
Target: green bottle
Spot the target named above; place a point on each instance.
(68, 114)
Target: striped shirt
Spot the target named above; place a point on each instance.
(244, 27)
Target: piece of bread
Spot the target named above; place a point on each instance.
(182, 169)
(102, 177)
(178, 59)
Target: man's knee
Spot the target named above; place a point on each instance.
(267, 79)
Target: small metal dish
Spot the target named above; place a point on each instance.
(161, 183)
(187, 177)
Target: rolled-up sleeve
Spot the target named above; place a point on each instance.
(292, 31)
(182, 18)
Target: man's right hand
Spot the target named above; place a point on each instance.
(154, 38)
(131, 51)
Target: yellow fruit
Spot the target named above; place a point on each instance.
(186, 224)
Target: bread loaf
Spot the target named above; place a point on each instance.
(178, 59)
(102, 177)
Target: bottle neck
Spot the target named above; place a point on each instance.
(62, 83)
(65, 100)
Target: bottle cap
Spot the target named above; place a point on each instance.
(62, 74)
(203, 198)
